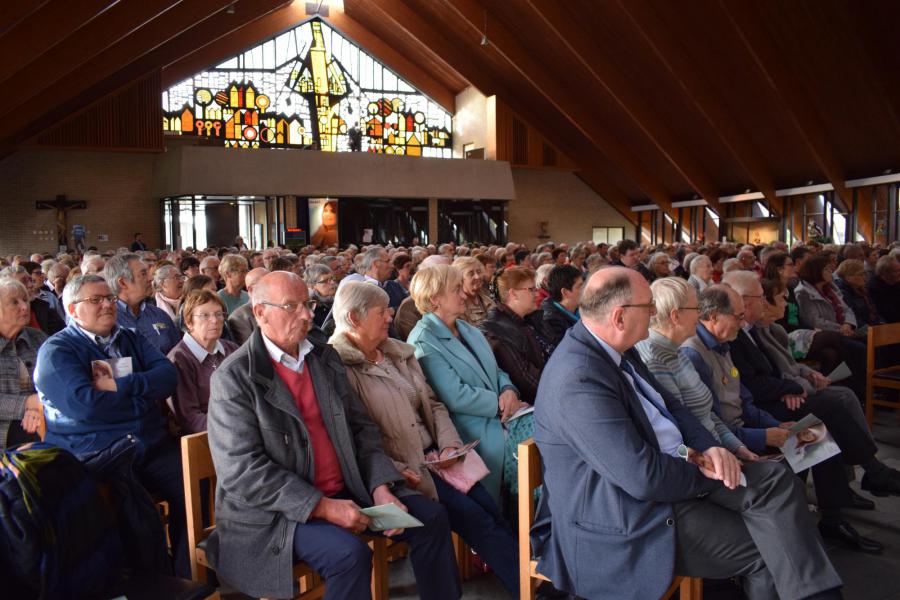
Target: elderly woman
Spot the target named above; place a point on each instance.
(516, 333)
(322, 285)
(658, 266)
(386, 376)
(819, 302)
(850, 280)
(460, 367)
(169, 285)
(701, 269)
(674, 322)
(233, 270)
(197, 356)
(20, 409)
(477, 301)
(398, 287)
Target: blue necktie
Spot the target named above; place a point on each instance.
(645, 390)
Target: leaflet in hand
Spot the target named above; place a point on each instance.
(390, 516)
(460, 452)
(112, 367)
(841, 372)
(809, 447)
(806, 422)
(520, 413)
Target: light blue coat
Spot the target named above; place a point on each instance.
(469, 388)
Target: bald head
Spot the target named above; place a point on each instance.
(280, 307)
(434, 260)
(272, 287)
(254, 276)
(616, 306)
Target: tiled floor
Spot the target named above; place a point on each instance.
(865, 577)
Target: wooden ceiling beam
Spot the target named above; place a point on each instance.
(145, 40)
(12, 12)
(43, 29)
(604, 72)
(700, 91)
(111, 28)
(760, 45)
(572, 107)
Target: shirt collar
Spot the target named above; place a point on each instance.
(613, 353)
(283, 358)
(124, 309)
(112, 337)
(199, 352)
(658, 339)
(710, 341)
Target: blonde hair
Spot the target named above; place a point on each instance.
(464, 263)
(669, 293)
(430, 282)
(512, 278)
(231, 262)
(849, 267)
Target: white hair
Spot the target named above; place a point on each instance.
(699, 260)
(669, 293)
(355, 298)
(740, 281)
(541, 274)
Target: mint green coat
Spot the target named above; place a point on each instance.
(469, 386)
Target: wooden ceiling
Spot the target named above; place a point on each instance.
(655, 101)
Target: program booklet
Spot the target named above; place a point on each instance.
(112, 367)
(460, 452)
(389, 516)
(810, 444)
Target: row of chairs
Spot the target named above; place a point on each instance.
(887, 377)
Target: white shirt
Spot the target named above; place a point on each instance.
(667, 433)
(199, 351)
(282, 357)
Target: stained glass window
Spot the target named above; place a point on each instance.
(309, 87)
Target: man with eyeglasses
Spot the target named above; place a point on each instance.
(99, 383)
(296, 456)
(625, 509)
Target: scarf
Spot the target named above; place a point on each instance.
(831, 295)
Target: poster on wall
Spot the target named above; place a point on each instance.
(323, 222)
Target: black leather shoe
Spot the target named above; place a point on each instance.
(883, 486)
(844, 534)
(859, 502)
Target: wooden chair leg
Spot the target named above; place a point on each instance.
(380, 575)
(691, 588)
(463, 558)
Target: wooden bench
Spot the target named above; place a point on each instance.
(888, 377)
(197, 465)
(530, 479)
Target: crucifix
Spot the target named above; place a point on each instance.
(61, 206)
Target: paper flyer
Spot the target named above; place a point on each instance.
(390, 516)
(460, 452)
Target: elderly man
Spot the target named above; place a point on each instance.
(747, 260)
(722, 313)
(88, 406)
(129, 280)
(242, 322)
(786, 399)
(209, 266)
(626, 511)
(884, 288)
(92, 264)
(296, 455)
(375, 267)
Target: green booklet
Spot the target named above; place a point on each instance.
(390, 516)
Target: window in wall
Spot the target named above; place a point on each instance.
(309, 87)
(608, 235)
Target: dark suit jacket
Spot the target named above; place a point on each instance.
(48, 319)
(610, 489)
(758, 373)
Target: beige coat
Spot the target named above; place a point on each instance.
(391, 410)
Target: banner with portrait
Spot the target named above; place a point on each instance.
(323, 222)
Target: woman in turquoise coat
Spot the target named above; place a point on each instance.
(461, 369)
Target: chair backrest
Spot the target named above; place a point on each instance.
(529, 480)
(880, 335)
(197, 466)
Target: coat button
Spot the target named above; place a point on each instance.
(670, 521)
(275, 550)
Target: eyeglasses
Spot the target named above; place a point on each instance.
(530, 290)
(216, 316)
(176, 278)
(688, 308)
(739, 317)
(324, 281)
(291, 307)
(651, 306)
(95, 300)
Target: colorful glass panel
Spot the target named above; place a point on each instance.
(309, 87)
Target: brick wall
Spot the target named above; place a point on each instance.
(115, 185)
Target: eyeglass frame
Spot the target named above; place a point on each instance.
(97, 300)
(650, 306)
(217, 316)
(291, 307)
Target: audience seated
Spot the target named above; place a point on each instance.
(850, 281)
(884, 288)
(296, 456)
(233, 270)
(20, 408)
(197, 356)
(477, 300)
(90, 404)
(168, 282)
(515, 330)
(241, 322)
(387, 377)
(408, 315)
(701, 272)
(128, 279)
(560, 308)
(41, 315)
(460, 367)
(626, 511)
(398, 288)
(322, 286)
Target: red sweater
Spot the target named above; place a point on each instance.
(327, 467)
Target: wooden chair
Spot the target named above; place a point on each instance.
(530, 479)
(888, 377)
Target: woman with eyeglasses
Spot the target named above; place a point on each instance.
(515, 330)
(322, 285)
(197, 356)
(168, 282)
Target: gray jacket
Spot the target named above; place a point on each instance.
(242, 323)
(261, 451)
(816, 311)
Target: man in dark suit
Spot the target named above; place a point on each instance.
(786, 400)
(884, 288)
(626, 512)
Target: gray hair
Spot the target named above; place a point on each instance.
(669, 293)
(355, 298)
(119, 267)
(740, 281)
(163, 273)
(369, 257)
(47, 264)
(313, 272)
(11, 272)
(656, 256)
(91, 258)
(688, 259)
(595, 304)
(9, 286)
(714, 299)
(70, 292)
(433, 260)
(884, 264)
(699, 260)
(730, 265)
(541, 274)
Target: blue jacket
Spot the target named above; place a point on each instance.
(152, 322)
(469, 388)
(610, 490)
(82, 419)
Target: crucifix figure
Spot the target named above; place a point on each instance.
(61, 206)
